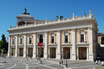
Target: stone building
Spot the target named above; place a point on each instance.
(73, 38)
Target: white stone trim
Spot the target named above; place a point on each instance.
(90, 37)
(58, 51)
(73, 45)
(9, 44)
(67, 27)
(35, 46)
(46, 46)
(16, 51)
(24, 49)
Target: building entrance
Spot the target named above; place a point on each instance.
(13, 51)
(40, 52)
(30, 52)
(52, 52)
(20, 51)
(82, 53)
(66, 52)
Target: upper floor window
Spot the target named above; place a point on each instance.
(66, 37)
(52, 38)
(102, 40)
(41, 38)
(82, 37)
(13, 40)
(21, 40)
(30, 39)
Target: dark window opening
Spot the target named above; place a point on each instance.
(30, 40)
(102, 40)
(52, 39)
(13, 41)
(41, 38)
(66, 38)
(20, 40)
(82, 37)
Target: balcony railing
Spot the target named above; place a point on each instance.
(50, 22)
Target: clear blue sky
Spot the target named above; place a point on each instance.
(41, 9)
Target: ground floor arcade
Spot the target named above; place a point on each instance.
(81, 53)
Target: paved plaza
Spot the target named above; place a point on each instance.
(28, 63)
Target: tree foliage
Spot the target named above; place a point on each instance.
(3, 44)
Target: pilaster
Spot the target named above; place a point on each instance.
(35, 46)
(90, 35)
(58, 54)
(24, 50)
(16, 47)
(9, 41)
(73, 57)
(45, 47)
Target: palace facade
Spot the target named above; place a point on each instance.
(72, 38)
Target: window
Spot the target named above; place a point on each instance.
(13, 40)
(41, 38)
(66, 37)
(52, 38)
(82, 38)
(102, 40)
(21, 40)
(30, 40)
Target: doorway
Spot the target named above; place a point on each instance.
(82, 53)
(66, 52)
(52, 52)
(40, 52)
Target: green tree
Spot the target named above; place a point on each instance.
(3, 44)
(3, 38)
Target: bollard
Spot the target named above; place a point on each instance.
(102, 63)
(40, 61)
(66, 65)
(62, 62)
(96, 62)
(59, 62)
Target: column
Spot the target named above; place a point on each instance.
(77, 53)
(87, 53)
(90, 35)
(58, 54)
(45, 47)
(35, 46)
(9, 41)
(73, 45)
(24, 50)
(16, 48)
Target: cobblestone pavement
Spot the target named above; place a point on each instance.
(23, 63)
